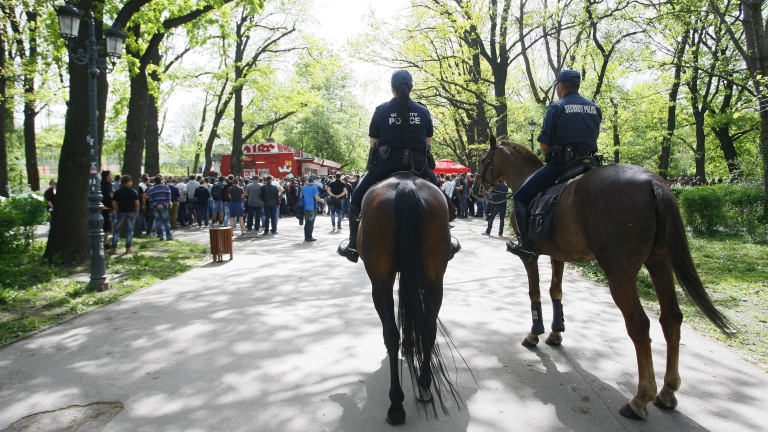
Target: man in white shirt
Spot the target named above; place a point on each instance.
(448, 186)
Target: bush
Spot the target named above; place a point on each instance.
(703, 209)
(18, 217)
(731, 207)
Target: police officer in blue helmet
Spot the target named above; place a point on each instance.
(572, 122)
(400, 137)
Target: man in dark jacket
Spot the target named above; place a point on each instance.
(254, 206)
(106, 202)
(269, 196)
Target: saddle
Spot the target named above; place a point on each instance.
(543, 208)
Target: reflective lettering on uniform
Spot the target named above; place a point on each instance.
(414, 119)
(588, 109)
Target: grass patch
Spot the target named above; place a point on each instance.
(735, 274)
(34, 295)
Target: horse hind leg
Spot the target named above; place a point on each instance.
(384, 303)
(671, 318)
(623, 286)
(555, 338)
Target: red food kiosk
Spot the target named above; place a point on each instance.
(278, 160)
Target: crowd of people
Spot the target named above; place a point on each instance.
(685, 180)
(161, 204)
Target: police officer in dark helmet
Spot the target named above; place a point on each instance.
(398, 128)
(572, 121)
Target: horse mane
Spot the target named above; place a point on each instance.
(521, 153)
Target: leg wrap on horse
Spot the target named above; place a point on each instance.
(538, 321)
(558, 320)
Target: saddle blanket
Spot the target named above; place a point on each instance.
(543, 210)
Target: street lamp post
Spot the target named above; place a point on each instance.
(532, 126)
(69, 25)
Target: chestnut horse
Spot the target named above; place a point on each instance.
(624, 217)
(404, 229)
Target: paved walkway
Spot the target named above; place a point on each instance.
(285, 338)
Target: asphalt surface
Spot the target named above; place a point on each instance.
(285, 338)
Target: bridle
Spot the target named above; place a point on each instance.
(487, 193)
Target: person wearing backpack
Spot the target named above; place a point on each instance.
(217, 194)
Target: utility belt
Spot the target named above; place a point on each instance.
(383, 153)
(565, 154)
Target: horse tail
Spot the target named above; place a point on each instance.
(682, 262)
(415, 307)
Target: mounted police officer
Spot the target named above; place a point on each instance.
(570, 129)
(400, 138)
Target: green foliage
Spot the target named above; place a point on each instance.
(731, 207)
(34, 294)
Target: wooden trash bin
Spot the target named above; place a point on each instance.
(221, 243)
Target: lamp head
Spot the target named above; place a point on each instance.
(115, 40)
(69, 20)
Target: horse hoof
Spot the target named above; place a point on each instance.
(554, 339)
(530, 341)
(670, 404)
(629, 412)
(423, 395)
(396, 415)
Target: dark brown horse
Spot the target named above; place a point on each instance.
(404, 229)
(624, 217)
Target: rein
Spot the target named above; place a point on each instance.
(487, 193)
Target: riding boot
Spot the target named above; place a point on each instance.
(455, 246)
(525, 249)
(350, 250)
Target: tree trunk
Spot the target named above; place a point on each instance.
(701, 140)
(152, 131)
(3, 111)
(135, 126)
(152, 137)
(235, 164)
(68, 240)
(757, 46)
(30, 70)
(616, 137)
(666, 141)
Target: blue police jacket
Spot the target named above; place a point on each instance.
(386, 125)
(573, 121)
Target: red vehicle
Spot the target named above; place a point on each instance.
(279, 161)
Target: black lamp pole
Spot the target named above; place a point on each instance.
(532, 126)
(69, 18)
(95, 221)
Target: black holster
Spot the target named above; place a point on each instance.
(371, 159)
(384, 153)
(408, 158)
(430, 159)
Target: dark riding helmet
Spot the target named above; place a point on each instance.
(402, 76)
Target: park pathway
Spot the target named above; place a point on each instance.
(285, 338)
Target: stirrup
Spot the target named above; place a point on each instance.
(347, 252)
(525, 256)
